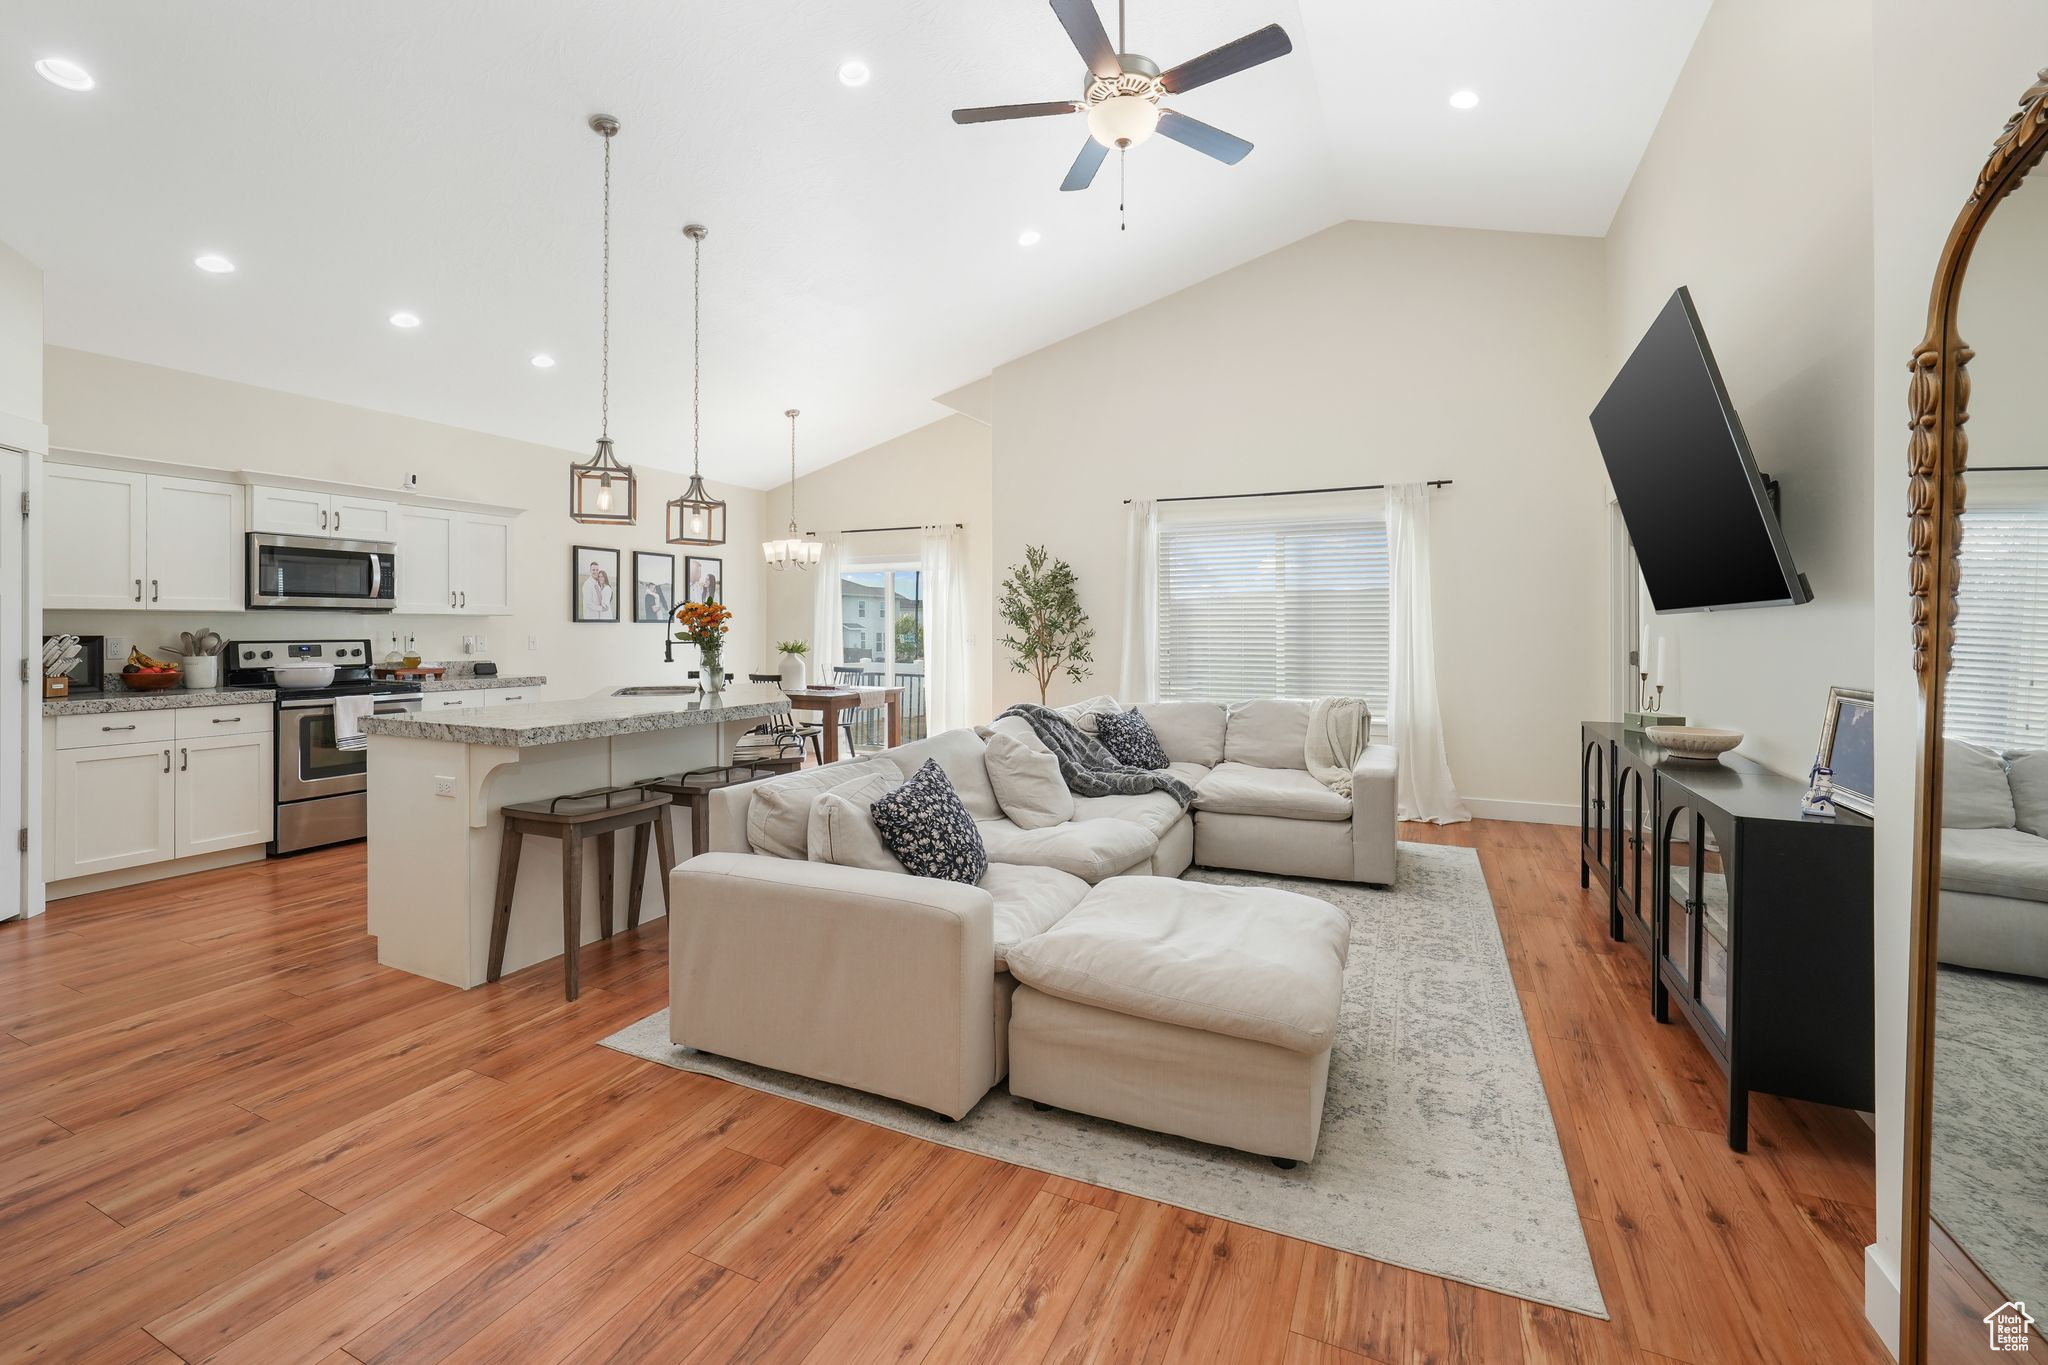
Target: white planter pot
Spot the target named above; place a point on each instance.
(793, 673)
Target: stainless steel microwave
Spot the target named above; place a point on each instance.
(302, 572)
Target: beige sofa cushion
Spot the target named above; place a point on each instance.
(1016, 727)
(779, 814)
(1083, 713)
(1975, 793)
(1027, 781)
(1189, 731)
(963, 756)
(1190, 773)
(1246, 962)
(1089, 849)
(1290, 793)
(842, 829)
(1029, 901)
(1268, 734)
(2028, 773)
(1156, 811)
(1995, 862)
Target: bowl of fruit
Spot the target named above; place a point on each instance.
(145, 674)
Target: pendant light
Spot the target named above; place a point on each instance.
(696, 518)
(800, 550)
(601, 490)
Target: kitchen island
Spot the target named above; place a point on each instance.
(439, 780)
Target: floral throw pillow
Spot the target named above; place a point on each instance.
(1129, 738)
(928, 829)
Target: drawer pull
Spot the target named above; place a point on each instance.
(227, 720)
(114, 729)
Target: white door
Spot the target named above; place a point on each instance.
(289, 512)
(112, 807)
(364, 518)
(95, 538)
(426, 557)
(195, 545)
(13, 763)
(226, 792)
(483, 566)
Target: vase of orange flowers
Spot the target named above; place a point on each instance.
(704, 624)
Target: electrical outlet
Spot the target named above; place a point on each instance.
(445, 786)
(532, 644)
(483, 646)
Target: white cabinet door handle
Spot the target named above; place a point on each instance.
(184, 760)
(167, 760)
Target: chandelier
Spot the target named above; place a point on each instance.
(800, 550)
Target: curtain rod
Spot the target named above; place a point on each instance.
(870, 530)
(1289, 492)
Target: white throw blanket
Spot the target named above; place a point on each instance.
(1339, 728)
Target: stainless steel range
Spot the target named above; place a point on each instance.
(321, 787)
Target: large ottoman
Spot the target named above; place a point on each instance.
(1181, 1007)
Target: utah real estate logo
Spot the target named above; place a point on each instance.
(2009, 1323)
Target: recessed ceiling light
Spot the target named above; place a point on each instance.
(1028, 237)
(214, 264)
(68, 74)
(1465, 99)
(405, 319)
(853, 73)
(543, 361)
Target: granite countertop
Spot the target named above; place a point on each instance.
(470, 682)
(529, 725)
(170, 699)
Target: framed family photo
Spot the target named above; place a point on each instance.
(1848, 745)
(593, 583)
(654, 586)
(703, 579)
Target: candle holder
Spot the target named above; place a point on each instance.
(1649, 707)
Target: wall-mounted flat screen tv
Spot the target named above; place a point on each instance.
(1702, 519)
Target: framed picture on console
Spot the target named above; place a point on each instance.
(593, 583)
(1848, 746)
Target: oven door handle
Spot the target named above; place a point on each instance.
(328, 702)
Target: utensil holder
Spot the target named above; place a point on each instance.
(202, 671)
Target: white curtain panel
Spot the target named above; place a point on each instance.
(828, 636)
(1140, 677)
(1424, 790)
(944, 569)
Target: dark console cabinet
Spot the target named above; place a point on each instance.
(1755, 919)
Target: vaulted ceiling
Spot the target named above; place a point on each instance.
(358, 159)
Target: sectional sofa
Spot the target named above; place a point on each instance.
(1994, 859)
(850, 972)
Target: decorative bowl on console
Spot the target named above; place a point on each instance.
(1697, 742)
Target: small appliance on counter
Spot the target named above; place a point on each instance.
(322, 783)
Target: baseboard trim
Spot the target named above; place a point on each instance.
(154, 872)
(1881, 1296)
(1526, 812)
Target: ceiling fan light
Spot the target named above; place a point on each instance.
(1123, 120)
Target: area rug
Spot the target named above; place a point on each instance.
(1438, 1150)
(1989, 1169)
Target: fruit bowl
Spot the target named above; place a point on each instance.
(1696, 742)
(151, 682)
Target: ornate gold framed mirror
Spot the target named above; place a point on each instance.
(1975, 1206)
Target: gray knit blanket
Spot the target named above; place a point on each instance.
(1088, 767)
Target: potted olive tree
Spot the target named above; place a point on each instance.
(1049, 633)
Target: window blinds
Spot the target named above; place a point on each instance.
(1274, 607)
(1997, 691)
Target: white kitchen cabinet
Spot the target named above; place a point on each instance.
(426, 561)
(471, 700)
(95, 538)
(289, 511)
(195, 545)
(483, 566)
(110, 807)
(364, 518)
(225, 789)
(514, 696)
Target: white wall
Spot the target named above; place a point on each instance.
(1942, 89)
(119, 407)
(1755, 192)
(1368, 353)
(21, 336)
(933, 475)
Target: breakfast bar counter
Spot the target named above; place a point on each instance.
(438, 782)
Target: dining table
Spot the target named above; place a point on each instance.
(833, 702)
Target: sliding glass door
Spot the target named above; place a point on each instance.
(881, 612)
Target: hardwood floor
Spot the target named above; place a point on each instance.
(227, 1134)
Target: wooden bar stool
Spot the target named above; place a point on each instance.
(693, 789)
(596, 815)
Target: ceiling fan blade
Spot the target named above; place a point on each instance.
(1248, 51)
(1084, 26)
(1082, 173)
(1227, 148)
(996, 112)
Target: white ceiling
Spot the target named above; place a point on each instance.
(355, 159)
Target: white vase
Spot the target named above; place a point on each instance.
(793, 673)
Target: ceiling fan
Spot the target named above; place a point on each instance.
(1122, 93)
